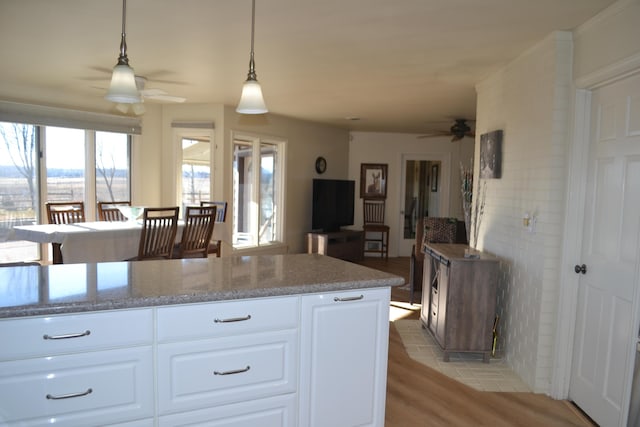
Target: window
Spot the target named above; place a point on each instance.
(113, 180)
(257, 197)
(19, 195)
(68, 175)
(196, 171)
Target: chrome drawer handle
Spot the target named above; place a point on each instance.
(233, 319)
(64, 337)
(235, 371)
(69, 396)
(338, 299)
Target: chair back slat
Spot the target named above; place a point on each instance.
(373, 211)
(198, 228)
(65, 212)
(221, 209)
(108, 211)
(221, 216)
(159, 228)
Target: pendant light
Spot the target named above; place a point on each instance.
(251, 100)
(123, 80)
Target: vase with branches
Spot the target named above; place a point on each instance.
(478, 212)
(466, 188)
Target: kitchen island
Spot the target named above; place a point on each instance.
(285, 340)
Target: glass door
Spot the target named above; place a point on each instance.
(423, 194)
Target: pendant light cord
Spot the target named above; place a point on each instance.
(252, 66)
(122, 59)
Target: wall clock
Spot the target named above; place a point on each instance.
(321, 164)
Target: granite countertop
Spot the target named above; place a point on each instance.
(73, 288)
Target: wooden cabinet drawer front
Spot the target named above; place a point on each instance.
(204, 373)
(278, 411)
(110, 386)
(226, 318)
(72, 333)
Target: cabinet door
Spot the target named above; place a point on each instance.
(344, 349)
(441, 314)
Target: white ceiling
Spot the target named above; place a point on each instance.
(398, 65)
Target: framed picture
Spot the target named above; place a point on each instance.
(434, 178)
(491, 155)
(373, 181)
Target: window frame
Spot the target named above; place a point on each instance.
(256, 141)
(90, 172)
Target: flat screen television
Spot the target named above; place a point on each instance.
(333, 201)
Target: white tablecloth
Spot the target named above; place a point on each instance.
(88, 241)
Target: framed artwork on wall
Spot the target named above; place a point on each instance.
(491, 155)
(373, 181)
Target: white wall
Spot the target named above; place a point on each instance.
(609, 40)
(530, 101)
(388, 148)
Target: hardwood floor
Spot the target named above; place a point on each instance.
(420, 396)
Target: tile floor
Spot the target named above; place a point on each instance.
(466, 368)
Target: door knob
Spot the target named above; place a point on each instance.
(580, 269)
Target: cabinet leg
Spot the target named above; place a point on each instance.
(445, 357)
(486, 357)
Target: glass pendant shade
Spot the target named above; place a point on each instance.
(251, 100)
(123, 86)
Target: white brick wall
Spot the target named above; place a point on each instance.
(530, 100)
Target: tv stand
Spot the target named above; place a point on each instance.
(343, 244)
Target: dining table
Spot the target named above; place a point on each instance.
(98, 241)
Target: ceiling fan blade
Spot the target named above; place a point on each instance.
(434, 134)
(165, 98)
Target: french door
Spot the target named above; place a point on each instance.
(425, 191)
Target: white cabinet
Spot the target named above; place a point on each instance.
(80, 369)
(343, 365)
(277, 411)
(312, 360)
(216, 354)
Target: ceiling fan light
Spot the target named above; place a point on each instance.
(123, 108)
(251, 100)
(138, 109)
(123, 86)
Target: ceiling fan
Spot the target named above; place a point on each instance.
(150, 94)
(459, 130)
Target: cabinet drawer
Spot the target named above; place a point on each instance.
(278, 411)
(72, 333)
(76, 390)
(203, 373)
(227, 318)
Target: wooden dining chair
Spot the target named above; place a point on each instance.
(196, 234)
(108, 211)
(373, 210)
(63, 213)
(159, 228)
(215, 247)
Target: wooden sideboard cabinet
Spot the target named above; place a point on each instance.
(459, 298)
(345, 244)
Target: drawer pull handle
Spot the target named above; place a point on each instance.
(233, 319)
(64, 337)
(338, 299)
(69, 396)
(235, 371)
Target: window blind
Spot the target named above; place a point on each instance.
(16, 112)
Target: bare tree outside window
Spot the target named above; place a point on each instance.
(20, 143)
